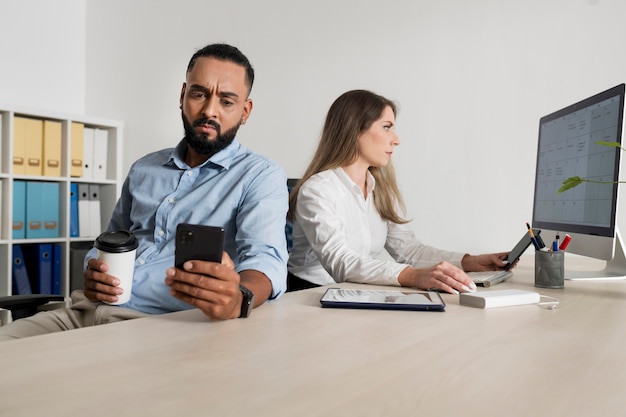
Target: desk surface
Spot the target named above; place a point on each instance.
(293, 358)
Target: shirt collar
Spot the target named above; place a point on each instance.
(343, 177)
(223, 158)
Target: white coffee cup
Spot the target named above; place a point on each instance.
(117, 249)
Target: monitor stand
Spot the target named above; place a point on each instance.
(615, 269)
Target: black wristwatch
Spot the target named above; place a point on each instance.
(247, 303)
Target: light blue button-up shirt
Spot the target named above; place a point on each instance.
(236, 188)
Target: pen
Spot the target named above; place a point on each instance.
(539, 240)
(535, 244)
(566, 240)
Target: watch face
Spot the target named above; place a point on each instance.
(247, 303)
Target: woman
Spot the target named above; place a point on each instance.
(347, 208)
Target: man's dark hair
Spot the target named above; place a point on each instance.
(225, 52)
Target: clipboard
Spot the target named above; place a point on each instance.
(383, 299)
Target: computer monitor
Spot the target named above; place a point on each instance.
(567, 148)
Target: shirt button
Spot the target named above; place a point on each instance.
(141, 262)
(170, 200)
(161, 233)
(189, 173)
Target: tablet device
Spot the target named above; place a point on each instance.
(383, 299)
(520, 248)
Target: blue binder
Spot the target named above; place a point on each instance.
(51, 191)
(74, 227)
(56, 269)
(34, 209)
(21, 283)
(19, 209)
(42, 209)
(39, 265)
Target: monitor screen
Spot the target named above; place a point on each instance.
(568, 147)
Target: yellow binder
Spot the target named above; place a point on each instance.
(51, 148)
(19, 145)
(76, 149)
(34, 146)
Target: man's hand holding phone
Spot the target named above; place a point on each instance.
(210, 286)
(204, 275)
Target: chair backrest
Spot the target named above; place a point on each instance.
(291, 182)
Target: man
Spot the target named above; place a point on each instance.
(209, 178)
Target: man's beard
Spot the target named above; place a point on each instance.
(201, 142)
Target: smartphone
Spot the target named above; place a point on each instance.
(519, 249)
(199, 242)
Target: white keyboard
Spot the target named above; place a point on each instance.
(489, 278)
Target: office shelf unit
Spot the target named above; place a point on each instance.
(108, 184)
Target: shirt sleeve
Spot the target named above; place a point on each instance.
(261, 216)
(404, 247)
(120, 218)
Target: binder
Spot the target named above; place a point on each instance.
(57, 252)
(94, 210)
(100, 148)
(76, 149)
(88, 152)
(19, 145)
(19, 209)
(74, 228)
(42, 209)
(34, 146)
(2, 140)
(21, 283)
(51, 148)
(34, 209)
(39, 266)
(84, 221)
(51, 218)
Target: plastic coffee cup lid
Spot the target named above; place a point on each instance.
(116, 241)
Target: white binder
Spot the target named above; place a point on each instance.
(95, 227)
(100, 147)
(88, 152)
(84, 220)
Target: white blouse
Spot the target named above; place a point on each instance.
(339, 236)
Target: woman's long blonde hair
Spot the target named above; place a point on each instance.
(349, 116)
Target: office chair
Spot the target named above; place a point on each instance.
(15, 307)
(291, 182)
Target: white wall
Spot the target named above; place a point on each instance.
(42, 54)
(472, 79)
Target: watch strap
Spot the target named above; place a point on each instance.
(247, 302)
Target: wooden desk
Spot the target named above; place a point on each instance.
(293, 358)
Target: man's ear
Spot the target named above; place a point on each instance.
(247, 108)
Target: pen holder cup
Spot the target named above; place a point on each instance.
(550, 269)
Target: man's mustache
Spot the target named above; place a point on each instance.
(205, 121)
